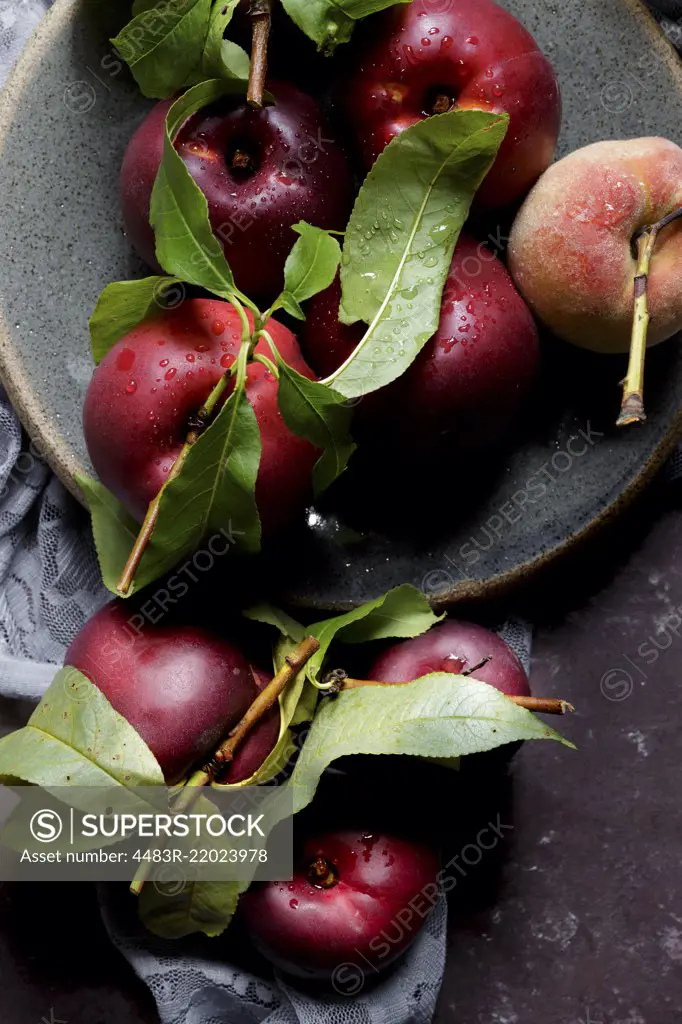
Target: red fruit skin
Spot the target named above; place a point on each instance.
(308, 931)
(476, 53)
(467, 385)
(140, 166)
(454, 646)
(151, 382)
(300, 173)
(259, 742)
(181, 687)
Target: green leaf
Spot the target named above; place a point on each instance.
(401, 236)
(312, 263)
(75, 738)
(216, 488)
(271, 616)
(401, 612)
(330, 22)
(236, 61)
(288, 303)
(163, 45)
(437, 716)
(320, 415)
(185, 244)
(114, 530)
(125, 304)
(200, 906)
(218, 61)
(172, 906)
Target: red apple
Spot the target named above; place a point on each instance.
(148, 386)
(261, 172)
(357, 900)
(419, 59)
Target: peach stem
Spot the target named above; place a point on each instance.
(632, 406)
(268, 696)
(261, 15)
(542, 705)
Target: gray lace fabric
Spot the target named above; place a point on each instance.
(194, 986)
(49, 586)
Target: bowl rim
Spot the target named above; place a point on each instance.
(51, 445)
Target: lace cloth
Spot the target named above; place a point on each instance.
(49, 586)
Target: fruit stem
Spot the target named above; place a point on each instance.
(321, 874)
(267, 698)
(268, 363)
(543, 705)
(482, 663)
(269, 695)
(632, 406)
(260, 12)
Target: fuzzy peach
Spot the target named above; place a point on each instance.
(571, 248)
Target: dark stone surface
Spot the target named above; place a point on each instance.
(576, 916)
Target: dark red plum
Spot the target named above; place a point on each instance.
(181, 687)
(261, 171)
(468, 384)
(457, 647)
(421, 58)
(357, 898)
(149, 385)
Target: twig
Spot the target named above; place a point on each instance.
(544, 705)
(268, 696)
(260, 12)
(632, 406)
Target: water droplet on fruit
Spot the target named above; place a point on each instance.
(131, 387)
(434, 31)
(472, 40)
(164, 362)
(293, 904)
(489, 72)
(498, 90)
(125, 359)
(169, 374)
(226, 360)
(425, 41)
(151, 417)
(190, 357)
(446, 42)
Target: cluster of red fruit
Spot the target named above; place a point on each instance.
(262, 171)
(183, 688)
